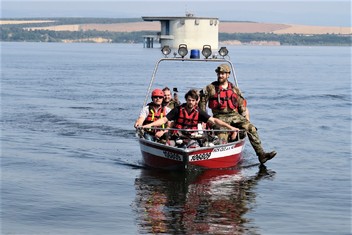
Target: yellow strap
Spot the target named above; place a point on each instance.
(152, 114)
(161, 116)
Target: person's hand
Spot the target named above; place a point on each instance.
(158, 134)
(234, 128)
(137, 125)
(234, 134)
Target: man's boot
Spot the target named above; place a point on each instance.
(264, 157)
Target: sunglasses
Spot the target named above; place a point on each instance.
(158, 97)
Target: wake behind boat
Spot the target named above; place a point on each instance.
(200, 148)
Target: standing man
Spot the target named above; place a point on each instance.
(188, 115)
(168, 100)
(227, 104)
(152, 112)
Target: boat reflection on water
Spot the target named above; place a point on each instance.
(196, 202)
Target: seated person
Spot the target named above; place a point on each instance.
(152, 112)
(168, 100)
(188, 115)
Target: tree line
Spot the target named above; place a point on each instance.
(291, 39)
(17, 33)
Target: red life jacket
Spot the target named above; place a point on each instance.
(155, 114)
(187, 120)
(223, 98)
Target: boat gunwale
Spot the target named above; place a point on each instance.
(188, 150)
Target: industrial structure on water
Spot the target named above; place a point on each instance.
(193, 31)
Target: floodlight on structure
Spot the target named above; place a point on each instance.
(206, 52)
(223, 51)
(182, 50)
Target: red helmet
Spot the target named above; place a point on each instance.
(157, 92)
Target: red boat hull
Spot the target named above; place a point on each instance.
(162, 156)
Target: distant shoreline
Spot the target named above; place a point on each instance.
(105, 30)
(224, 27)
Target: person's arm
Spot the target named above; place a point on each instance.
(204, 117)
(139, 122)
(243, 109)
(142, 116)
(169, 117)
(247, 116)
(158, 122)
(220, 123)
(242, 104)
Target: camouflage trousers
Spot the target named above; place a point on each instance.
(240, 122)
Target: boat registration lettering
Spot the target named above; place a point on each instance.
(201, 156)
(221, 149)
(172, 156)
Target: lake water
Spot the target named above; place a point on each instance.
(71, 164)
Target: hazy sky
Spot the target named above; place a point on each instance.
(313, 12)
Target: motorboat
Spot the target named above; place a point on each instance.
(202, 150)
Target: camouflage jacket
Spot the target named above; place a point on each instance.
(210, 90)
(173, 104)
